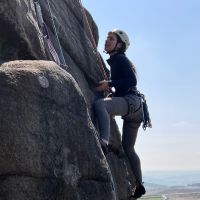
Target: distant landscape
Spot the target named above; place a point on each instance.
(172, 185)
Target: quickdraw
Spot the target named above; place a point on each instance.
(146, 115)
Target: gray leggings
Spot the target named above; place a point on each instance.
(118, 106)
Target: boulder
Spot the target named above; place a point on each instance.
(47, 137)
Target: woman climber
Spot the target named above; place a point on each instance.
(125, 102)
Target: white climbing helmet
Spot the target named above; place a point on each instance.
(123, 36)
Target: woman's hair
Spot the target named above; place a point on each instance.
(122, 49)
(133, 67)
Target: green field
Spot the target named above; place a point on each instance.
(155, 197)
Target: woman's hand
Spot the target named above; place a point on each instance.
(103, 86)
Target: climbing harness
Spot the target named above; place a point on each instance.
(92, 41)
(146, 120)
(49, 47)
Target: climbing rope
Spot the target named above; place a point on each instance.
(92, 41)
(56, 34)
(46, 36)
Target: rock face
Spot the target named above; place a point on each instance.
(41, 135)
(49, 146)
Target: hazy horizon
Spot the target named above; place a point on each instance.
(172, 178)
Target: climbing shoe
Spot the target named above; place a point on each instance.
(139, 191)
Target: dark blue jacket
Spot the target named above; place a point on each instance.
(122, 74)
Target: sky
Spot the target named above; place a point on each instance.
(165, 47)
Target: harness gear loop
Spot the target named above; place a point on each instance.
(92, 41)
